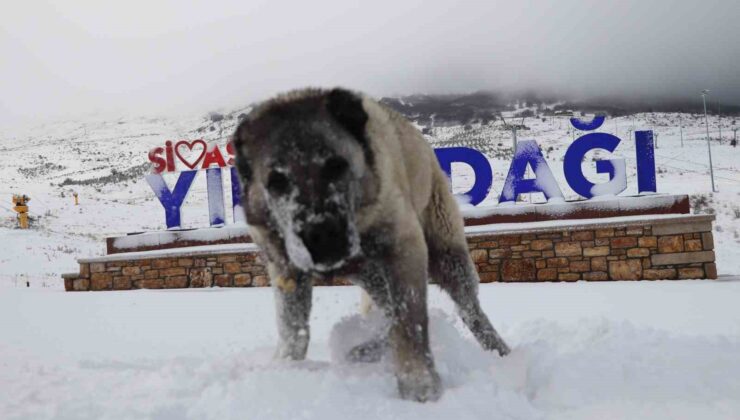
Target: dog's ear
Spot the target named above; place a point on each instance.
(237, 139)
(347, 110)
(236, 147)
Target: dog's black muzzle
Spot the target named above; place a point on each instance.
(327, 241)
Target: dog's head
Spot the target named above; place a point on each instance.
(305, 165)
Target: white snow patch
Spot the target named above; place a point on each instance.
(585, 350)
(545, 181)
(617, 184)
(177, 252)
(578, 223)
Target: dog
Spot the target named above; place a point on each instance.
(337, 185)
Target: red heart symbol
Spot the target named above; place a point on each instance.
(190, 146)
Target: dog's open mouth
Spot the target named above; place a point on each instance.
(337, 266)
(321, 252)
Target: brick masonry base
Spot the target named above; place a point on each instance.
(680, 247)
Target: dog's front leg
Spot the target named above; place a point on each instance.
(396, 279)
(293, 306)
(409, 339)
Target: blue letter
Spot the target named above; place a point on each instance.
(528, 152)
(236, 197)
(215, 188)
(595, 123)
(171, 201)
(477, 161)
(615, 167)
(645, 153)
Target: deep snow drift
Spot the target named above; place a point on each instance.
(587, 350)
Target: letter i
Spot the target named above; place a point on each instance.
(645, 154)
(170, 156)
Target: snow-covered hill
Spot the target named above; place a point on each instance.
(104, 161)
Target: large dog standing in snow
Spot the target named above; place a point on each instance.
(335, 184)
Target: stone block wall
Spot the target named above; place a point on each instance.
(682, 248)
(172, 271)
(677, 247)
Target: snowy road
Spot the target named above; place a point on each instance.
(666, 349)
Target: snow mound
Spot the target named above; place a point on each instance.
(455, 355)
(597, 369)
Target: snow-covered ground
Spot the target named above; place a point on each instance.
(621, 350)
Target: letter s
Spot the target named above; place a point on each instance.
(155, 156)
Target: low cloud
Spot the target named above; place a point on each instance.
(67, 59)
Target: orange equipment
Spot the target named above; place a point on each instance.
(20, 205)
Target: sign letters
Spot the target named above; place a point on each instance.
(197, 155)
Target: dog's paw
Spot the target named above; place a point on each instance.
(503, 349)
(293, 348)
(491, 341)
(422, 385)
(369, 352)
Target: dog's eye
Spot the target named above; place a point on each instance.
(333, 169)
(278, 183)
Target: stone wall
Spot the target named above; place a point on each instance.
(630, 248)
(670, 248)
(230, 267)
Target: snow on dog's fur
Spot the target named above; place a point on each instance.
(337, 185)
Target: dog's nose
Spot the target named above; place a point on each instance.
(326, 241)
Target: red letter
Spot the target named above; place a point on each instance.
(170, 156)
(213, 156)
(230, 150)
(155, 156)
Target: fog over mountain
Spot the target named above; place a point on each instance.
(485, 106)
(76, 58)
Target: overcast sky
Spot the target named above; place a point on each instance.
(70, 58)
